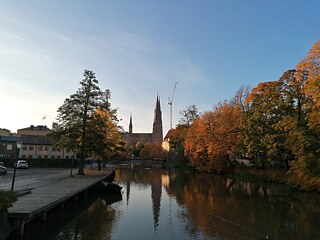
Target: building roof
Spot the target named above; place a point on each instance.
(38, 128)
(170, 133)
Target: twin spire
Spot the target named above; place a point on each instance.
(157, 132)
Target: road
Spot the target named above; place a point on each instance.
(32, 177)
(36, 177)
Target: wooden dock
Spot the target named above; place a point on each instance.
(43, 199)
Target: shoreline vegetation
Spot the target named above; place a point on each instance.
(273, 127)
(275, 176)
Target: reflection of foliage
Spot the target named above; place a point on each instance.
(246, 209)
(84, 219)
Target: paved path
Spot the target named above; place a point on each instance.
(44, 198)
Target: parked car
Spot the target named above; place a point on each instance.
(22, 164)
(3, 169)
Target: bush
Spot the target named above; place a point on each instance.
(7, 198)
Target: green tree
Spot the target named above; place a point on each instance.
(75, 118)
(176, 152)
(264, 138)
(189, 114)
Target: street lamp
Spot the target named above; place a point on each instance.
(19, 144)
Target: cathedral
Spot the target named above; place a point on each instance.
(157, 133)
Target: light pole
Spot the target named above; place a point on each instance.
(72, 160)
(19, 144)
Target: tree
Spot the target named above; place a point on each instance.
(190, 114)
(213, 138)
(152, 150)
(264, 137)
(75, 118)
(311, 67)
(176, 152)
(307, 149)
(104, 132)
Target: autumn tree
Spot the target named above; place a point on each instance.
(176, 153)
(152, 150)
(311, 67)
(73, 127)
(212, 139)
(104, 131)
(307, 140)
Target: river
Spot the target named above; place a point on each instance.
(161, 204)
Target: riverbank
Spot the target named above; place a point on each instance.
(301, 183)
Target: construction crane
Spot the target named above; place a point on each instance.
(170, 101)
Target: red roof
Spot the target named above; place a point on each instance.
(170, 133)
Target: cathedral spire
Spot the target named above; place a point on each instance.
(157, 133)
(130, 124)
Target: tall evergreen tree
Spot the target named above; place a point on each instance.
(75, 116)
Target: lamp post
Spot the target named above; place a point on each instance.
(72, 162)
(19, 144)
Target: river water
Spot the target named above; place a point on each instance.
(161, 204)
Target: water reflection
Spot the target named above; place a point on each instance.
(86, 218)
(160, 204)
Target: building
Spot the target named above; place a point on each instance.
(36, 144)
(8, 146)
(166, 140)
(157, 131)
(4, 132)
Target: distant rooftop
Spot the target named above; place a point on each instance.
(170, 133)
(36, 128)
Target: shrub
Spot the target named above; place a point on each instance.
(7, 198)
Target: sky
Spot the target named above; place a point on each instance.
(141, 48)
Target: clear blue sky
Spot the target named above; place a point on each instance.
(140, 48)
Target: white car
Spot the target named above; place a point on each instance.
(22, 164)
(3, 169)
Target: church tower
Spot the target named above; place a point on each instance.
(130, 124)
(157, 133)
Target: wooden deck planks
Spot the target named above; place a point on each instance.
(44, 198)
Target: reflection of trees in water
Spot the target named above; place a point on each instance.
(94, 223)
(82, 219)
(216, 204)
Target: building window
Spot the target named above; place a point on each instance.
(24, 148)
(45, 156)
(31, 148)
(30, 156)
(40, 148)
(58, 157)
(46, 148)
